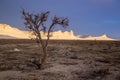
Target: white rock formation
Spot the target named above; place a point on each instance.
(6, 30)
(13, 32)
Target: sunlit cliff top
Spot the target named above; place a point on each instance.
(7, 30)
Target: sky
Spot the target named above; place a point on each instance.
(86, 17)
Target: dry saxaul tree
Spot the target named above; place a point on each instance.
(37, 23)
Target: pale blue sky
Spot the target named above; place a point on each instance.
(87, 17)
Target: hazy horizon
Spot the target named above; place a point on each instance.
(87, 17)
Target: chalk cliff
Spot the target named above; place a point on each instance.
(7, 30)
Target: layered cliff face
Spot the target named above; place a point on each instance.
(7, 30)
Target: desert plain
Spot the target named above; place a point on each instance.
(67, 60)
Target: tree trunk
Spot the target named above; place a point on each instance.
(43, 60)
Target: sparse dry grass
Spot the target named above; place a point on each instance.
(67, 60)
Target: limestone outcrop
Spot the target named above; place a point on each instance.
(12, 32)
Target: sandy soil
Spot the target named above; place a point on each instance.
(67, 60)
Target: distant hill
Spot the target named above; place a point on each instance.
(8, 32)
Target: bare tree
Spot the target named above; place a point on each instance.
(37, 23)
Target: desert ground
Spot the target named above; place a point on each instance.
(67, 60)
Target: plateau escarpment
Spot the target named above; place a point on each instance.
(6, 31)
